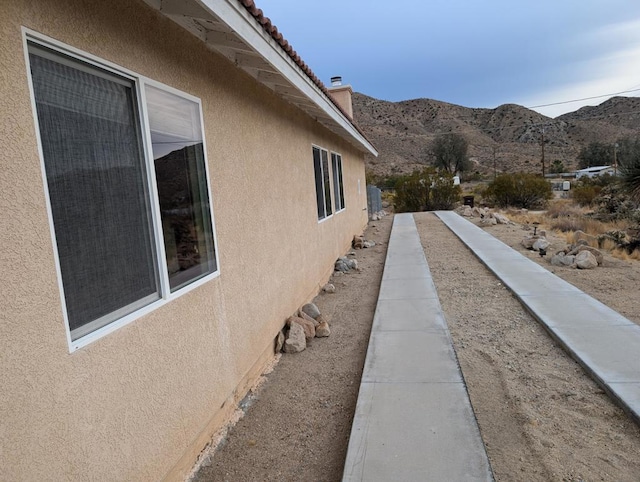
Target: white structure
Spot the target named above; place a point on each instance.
(595, 171)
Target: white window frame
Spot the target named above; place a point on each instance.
(324, 199)
(338, 176)
(166, 296)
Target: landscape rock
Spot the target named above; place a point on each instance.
(581, 235)
(586, 260)
(368, 244)
(596, 252)
(295, 341)
(323, 330)
(488, 221)
(341, 265)
(561, 259)
(352, 263)
(501, 218)
(467, 211)
(279, 341)
(304, 316)
(322, 319)
(311, 309)
(308, 326)
(528, 241)
(358, 242)
(540, 244)
(329, 288)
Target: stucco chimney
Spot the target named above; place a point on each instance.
(342, 95)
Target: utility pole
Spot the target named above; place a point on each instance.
(495, 172)
(542, 142)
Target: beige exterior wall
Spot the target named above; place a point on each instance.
(139, 403)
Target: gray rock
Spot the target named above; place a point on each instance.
(568, 260)
(467, 211)
(596, 252)
(528, 241)
(368, 244)
(323, 330)
(295, 341)
(586, 260)
(312, 310)
(329, 288)
(540, 243)
(279, 341)
(557, 260)
(501, 218)
(352, 263)
(341, 266)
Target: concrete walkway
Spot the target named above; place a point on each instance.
(604, 342)
(413, 419)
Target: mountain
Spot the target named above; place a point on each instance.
(509, 134)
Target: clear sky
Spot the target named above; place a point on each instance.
(476, 53)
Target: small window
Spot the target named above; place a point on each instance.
(336, 166)
(323, 188)
(117, 207)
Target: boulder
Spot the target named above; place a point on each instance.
(322, 319)
(308, 326)
(311, 309)
(295, 341)
(351, 263)
(323, 330)
(487, 221)
(540, 244)
(586, 260)
(528, 241)
(304, 316)
(561, 259)
(467, 211)
(358, 242)
(568, 260)
(594, 251)
(581, 235)
(501, 218)
(329, 288)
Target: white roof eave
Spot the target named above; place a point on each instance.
(227, 27)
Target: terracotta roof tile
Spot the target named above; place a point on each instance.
(272, 30)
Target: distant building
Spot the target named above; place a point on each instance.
(595, 171)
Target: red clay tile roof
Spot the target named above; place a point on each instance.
(272, 30)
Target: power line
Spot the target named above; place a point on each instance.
(584, 98)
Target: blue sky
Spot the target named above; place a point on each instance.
(476, 53)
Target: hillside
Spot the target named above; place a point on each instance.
(403, 131)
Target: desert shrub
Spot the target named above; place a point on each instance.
(522, 190)
(563, 208)
(426, 190)
(584, 194)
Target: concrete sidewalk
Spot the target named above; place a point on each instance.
(413, 419)
(604, 342)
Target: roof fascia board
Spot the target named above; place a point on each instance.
(248, 29)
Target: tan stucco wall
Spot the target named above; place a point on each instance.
(132, 404)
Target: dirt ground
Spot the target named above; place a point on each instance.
(298, 423)
(540, 416)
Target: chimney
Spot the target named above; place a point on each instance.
(342, 95)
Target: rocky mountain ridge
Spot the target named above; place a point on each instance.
(507, 138)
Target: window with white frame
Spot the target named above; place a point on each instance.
(127, 186)
(323, 188)
(338, 188)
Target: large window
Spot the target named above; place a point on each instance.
(129, 204)
(323, 188)
(338, 188)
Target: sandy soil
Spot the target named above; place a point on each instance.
(298, 424)
(540, 416)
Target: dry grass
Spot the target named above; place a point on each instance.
(565, 217)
